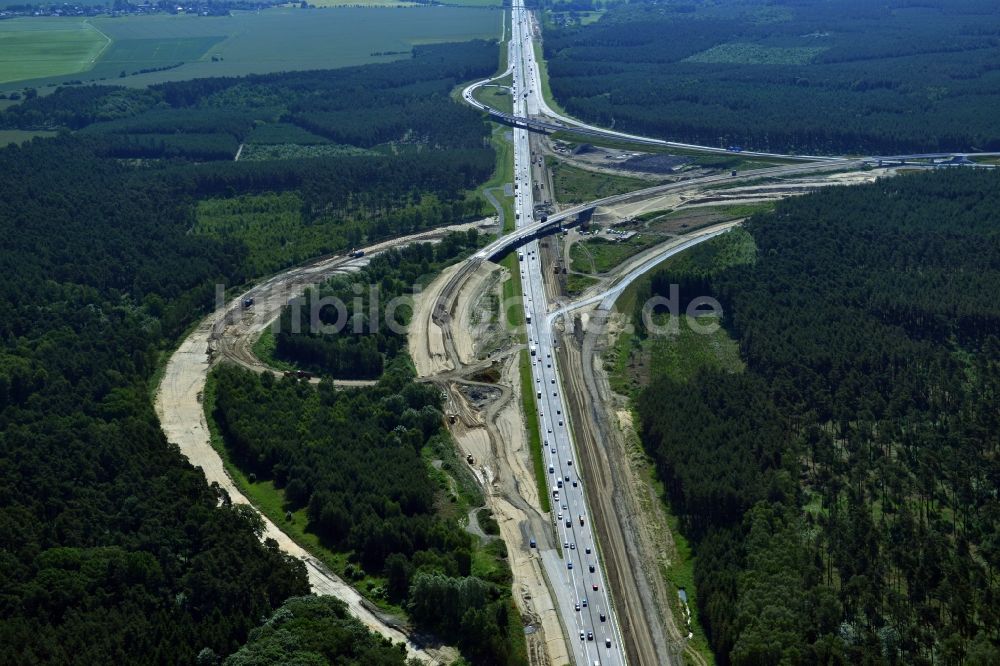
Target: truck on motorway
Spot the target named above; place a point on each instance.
(520, 255)
(581, 521)
(527, 316)
(534, 350)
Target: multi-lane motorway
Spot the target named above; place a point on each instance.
(573, 568)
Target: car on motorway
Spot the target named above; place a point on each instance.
(569, 565)
(570, 461)
(607, 643)
(565, 544)
(552, 470)
(588, 550)
(591, 568)
(590, 635)
(574, 483)
(572, 546)
(595, 587)
(581, 634)
(560, 515)
(584, 602)
(569, 523)
(604, 618)
(554, 450)
(576, 607)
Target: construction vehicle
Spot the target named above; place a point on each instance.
(356, 254)
(248, 301)
(469, 459)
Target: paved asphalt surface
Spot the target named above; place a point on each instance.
(573, 568)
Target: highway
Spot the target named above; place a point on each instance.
(575, 573)
(528, 115)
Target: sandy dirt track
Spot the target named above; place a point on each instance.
(179, 408)
(442, 342)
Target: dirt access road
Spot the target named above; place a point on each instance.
(455, 342)
(182, 417)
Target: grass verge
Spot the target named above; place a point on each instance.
(534, 434)
(575, 185)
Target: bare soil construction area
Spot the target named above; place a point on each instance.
(487, 424)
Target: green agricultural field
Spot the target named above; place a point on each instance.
(185, 47)
(39, 47)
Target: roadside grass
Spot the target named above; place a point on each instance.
(265, 349)
(495, 97)
(728, 211)
(575, 185)
(513, 318)
(577, 284)
(733, 248)
(679, 356)
(604, 254)
(534, 433)
(37, 47)
(702, 158)
(543, 73)
(679, 573)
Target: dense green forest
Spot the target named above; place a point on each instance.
(362, 341)
(400, 156)
(113, 548)
(316, 630)
(842, 490)
(353, 459)
(794, 75)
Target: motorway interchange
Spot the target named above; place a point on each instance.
(574, 570)
(575, 575)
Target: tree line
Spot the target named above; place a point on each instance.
(841, 491)
(353, 460)
(835, 77)
(113, 547)
(363, 341)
